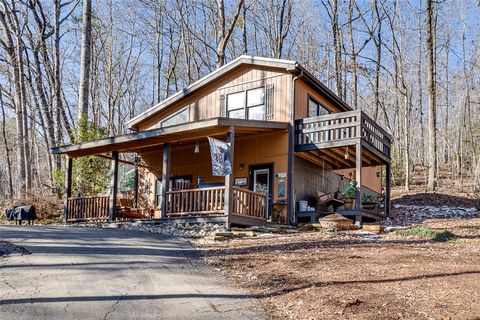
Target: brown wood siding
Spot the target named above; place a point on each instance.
(205, 104)
(249, 150)
(369, 177)
(302, 90)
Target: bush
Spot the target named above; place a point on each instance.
(48, 207)
(426, 233)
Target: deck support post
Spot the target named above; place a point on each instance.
(67, 193)
(387, 189)
(112, 207)
(229, 178)
(358, 178)
(165, 179)
(291, 216)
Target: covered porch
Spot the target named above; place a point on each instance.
(349, 142)
(181, 185)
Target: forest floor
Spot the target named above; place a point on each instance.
(429, 272)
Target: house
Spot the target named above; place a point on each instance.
(290, 137)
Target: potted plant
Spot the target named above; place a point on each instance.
(349, 194)
(369, 201)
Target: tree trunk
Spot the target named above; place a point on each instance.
(85, 57)
(432, 136)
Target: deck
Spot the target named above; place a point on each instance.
(346, 140)
(337, 131)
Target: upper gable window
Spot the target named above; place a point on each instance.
(315, 108)
(249, 104)
(179, 117)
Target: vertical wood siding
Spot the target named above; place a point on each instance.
(205, 104)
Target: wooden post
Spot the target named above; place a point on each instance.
(112, 208)
(291, 216)
(165, 178)
(358, 178)
(387, 189)
(67, 193)
(229, 178)
(135, 195)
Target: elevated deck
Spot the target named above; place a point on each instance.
(347, 140)
(338, 131)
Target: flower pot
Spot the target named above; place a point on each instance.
(349, 204)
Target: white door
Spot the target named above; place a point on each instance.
(261, 180)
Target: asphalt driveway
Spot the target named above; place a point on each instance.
(81, 273)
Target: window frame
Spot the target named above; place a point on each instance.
(174, 115)
(246, 108)
(319, 105)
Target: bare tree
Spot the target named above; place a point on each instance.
(431, 87)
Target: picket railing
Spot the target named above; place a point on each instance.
(88, 208)
(195, 201)
(249, 203)
(325, 131)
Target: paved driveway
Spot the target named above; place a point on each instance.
(79, 273)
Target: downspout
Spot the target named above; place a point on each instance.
(291, 218)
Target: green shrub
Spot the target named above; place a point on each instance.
(351, 190)
(426, 233)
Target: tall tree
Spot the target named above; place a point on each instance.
(85, 59)
(431, 92)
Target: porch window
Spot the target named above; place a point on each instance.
(249, 104)
(179, 117)
(315, 108)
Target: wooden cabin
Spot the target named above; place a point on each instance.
(291, 139)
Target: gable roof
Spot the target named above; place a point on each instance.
(289, 65)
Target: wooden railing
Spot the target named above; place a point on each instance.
(88, 208)
(196, 201)
(343, 127)
(249, 203)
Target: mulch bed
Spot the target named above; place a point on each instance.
(314, 275)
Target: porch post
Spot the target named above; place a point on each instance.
(358, 178)
(387, 189)
(135, 195)
(165, 178)
(112, 208)
(229, 178)
(67, 192)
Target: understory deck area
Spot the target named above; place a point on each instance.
(348, 140)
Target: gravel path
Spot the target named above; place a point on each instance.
(83, 273)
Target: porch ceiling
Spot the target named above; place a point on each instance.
(138, 141)
(334, 158)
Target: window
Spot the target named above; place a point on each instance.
(315, 108)
(248, 104)
(181, 116)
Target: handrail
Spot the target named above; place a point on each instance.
(249, 203)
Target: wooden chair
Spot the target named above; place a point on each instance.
(328, 199)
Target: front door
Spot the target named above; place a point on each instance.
(261, 180)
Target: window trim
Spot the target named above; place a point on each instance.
(245, 101)
(176, 113)
(319, 105)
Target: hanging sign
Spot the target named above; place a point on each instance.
(220, 153)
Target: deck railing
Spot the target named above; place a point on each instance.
(195, 201)
(88, 208)
(326, 131)
(249, 203)
(202, 201)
